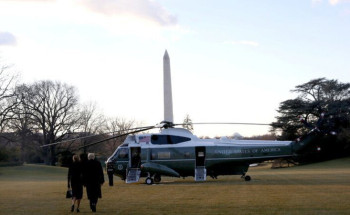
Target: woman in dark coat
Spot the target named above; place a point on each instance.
(93, 178)
(75, 181)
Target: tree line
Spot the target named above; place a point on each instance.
(45, 112)
(316, 98)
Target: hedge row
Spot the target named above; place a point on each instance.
(5, 164)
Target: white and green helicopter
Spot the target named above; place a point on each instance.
(176, 152)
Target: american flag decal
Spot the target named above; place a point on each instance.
(144, 139)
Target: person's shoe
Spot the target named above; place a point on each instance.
(78, 210)
(72, 208)
(93, 208)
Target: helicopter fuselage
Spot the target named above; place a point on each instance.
(178, 153)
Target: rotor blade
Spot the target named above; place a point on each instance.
(223, 123)
(110, 138)
(78, 138)
(94, 135)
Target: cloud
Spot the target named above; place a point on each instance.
(7, 38)
(346, 12)
(315, 2)
(331, 2)
(335, 2)
(145, 9)
(27, 1)
(242, 42)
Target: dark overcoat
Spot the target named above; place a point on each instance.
(75, 179)
(93, 179)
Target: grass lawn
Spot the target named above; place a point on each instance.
(322, 188)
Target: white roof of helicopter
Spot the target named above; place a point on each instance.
(178, 132)
(146, 139)
(186, 133)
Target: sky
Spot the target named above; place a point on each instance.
(231, 61)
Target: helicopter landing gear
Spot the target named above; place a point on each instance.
(157, 178)
(213, 176)
(246, 177)
(149, 181)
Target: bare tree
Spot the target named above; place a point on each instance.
(23, 129)
(117, 126)
(53, 108)
(91, 122)
(7, 96)
(187, 123)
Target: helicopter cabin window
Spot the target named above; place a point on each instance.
(168, 139)
(187, 155)
(201, 154)
(163, 155)
(123, 153)
(160, 154)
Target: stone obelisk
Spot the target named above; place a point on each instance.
(168, 98)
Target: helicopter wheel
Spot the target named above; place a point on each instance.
(247, 178)
(149, 181)
(157, 178)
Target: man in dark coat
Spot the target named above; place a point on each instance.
(93, 178)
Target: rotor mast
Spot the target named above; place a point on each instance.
(168, 98)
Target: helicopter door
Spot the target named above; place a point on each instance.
(200, 173)
(134, 171)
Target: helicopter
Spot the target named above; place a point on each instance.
(176, 152)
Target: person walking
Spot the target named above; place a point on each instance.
(75, 181)
(94, 179)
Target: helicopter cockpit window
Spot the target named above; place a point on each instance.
(123, 153)
(168, 139)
